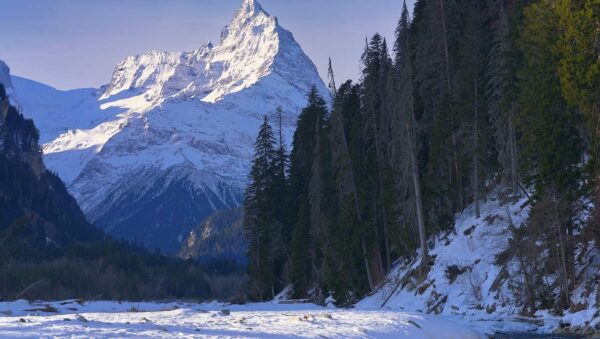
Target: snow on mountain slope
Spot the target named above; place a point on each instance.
(169, 139)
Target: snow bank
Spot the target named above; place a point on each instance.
(466, 284)
(266, 320)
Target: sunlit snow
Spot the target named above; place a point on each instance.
(185, 320)
(195, 113)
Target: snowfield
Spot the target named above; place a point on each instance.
(21, 319)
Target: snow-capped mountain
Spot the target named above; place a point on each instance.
(169, 140)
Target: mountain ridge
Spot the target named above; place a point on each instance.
(186, 119)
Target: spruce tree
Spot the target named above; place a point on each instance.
(346, 275)
(579, 52)
(500, 96)
(579, 72)
(279, 195)
(259, 221)
(306, 184)
(550, 141)
(405, 136)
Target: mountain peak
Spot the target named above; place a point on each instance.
(251, 7)
(251, 13)
(249, 48)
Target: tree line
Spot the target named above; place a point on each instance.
(471, 96)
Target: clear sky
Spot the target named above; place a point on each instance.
(77, 43)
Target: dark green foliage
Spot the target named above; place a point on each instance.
(579, 51)
(54, 218)
(266, 215)
(258, 218)
(308, 181)
(344, 273)
(551, 146)
(102, 270)
(478, 94)
(550, 141)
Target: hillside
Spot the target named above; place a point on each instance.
(476, 278)
(220, 236)
(34, 203)
(48, 250)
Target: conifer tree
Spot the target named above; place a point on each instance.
(500, 96)
(305, 189)
(579, 72)
(420, 138)
(406, 128)
(346, 275)
(279, 195)
(258, 216)
(550, 140)
(373, 161)
(579, 52)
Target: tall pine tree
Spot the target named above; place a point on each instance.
(259, 221)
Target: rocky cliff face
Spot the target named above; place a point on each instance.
(220, 236)
(36, 211)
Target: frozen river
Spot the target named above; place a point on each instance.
(215, 320)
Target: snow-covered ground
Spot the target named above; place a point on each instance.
(477, 300)
(466, 282)
(186, 320)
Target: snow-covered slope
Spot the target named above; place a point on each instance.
(466, 280)
(169, 140)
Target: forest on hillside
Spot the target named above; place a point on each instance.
(48, 250)
(470, 96)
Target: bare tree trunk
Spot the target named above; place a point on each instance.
(258, 262)
(449, 103)
(476, 156)
(380, 162)
(366, 260)
(414, 165)
(418, 201)
(562, 248)
(597, 42)
(446, 53)
(315, 199)
(347, 163)
(459, 205)
(513, 155)
(380, 271)
(388, 252)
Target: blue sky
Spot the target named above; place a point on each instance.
(77, 43)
